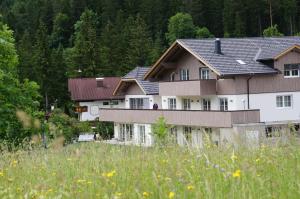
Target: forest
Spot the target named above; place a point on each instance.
(55, 39)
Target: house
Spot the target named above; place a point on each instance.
(90, 94)
(227, 90)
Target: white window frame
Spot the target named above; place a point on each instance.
(126, 132)
(206, 104)
(184, 74)
(187, 133)
(223, 104)
(290, 70)
(172, 103)
(186, 104)
(172, 77)
(283, 101)
(204, 73)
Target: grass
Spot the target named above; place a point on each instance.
(95, 170)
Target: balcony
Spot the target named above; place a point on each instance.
(181, 117)
(195, 88)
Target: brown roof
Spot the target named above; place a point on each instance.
(85, 89)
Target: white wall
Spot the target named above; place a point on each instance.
(90, 115)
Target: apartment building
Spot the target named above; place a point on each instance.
(227, 90)
(90, 94)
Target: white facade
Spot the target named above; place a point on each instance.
(93, 108)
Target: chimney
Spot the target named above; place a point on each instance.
(100, 82)
(218, 46)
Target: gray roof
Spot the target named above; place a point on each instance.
(250, 50)
(138, 74)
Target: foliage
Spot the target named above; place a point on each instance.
(203, 33)
(272, 31)
(15, 96)
(180, 26)
(96, 170)
(160, 131)
(105, 130)
(61, 125)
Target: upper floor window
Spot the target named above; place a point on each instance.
(223, 104)
(186, 104)
(184, 74)
(204, 73)
(284, 101)
(206, 105)
(172, 77)
(172, 103)
(139, 103)
(291, 70)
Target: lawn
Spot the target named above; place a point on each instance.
(96, 170)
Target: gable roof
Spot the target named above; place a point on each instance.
(137, 75)
(85, 89)
(251, 51)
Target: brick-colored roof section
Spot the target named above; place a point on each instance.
(85, 89)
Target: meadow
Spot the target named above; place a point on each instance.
(98, 170)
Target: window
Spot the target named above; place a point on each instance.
(126, 132)
(186, 104)
(173, 132)
(223, 104)
(204, 73)
(105, 103)
(184, 74)
(272, 131)
(141, 134)
(172, 77)
(187, 132)
(295, 130)
(115, 102)
(284, 101)
(139, 103)
(94, 110)
(206, 104)
(291, 70)
(172, 103)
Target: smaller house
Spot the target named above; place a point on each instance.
(90, 94)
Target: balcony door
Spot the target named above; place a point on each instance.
(186, 104)
(141, 134)
(223, 102)
(139, 103)
(126, 132)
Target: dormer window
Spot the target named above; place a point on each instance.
(291, 70)
(184, 75)
(204, 73)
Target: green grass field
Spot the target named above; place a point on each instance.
(96, 170)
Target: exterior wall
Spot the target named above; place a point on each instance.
(89, 116)
(187, 61)
(134, 89)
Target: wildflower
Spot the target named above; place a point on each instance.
(109, 174)
(237, 174)
(1, 173)
(54, 174)
(14, 163)
(118, 194)
(49, 190)
(257, 160)
(190, 187)
(233, 157)
(145, 194)
(80, 181)
(171, 195)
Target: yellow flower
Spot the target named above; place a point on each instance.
(171, 195)
(233, 157)
(190, 187)
(14, 163)
(237, 174)
(49, 190)
(257, 160)
(111, 174)
(80, 181)
(1, 173)
(118, 194)
(145, 194)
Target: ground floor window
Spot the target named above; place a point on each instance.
(174, 134)
(187, 132)
(223, 104)
(126, 132)
(206, 105)
(186, 104)
(284, 101)
(141, 134)
(273, 131)
(172, 103)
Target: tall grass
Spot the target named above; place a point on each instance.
(97, 170)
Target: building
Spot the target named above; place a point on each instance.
(227, 90)
(90, 94)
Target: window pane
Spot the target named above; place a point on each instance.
(287, 101)
(279, 101)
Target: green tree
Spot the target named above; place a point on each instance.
(203, 33)
(86, 45)
(15, 95)
(180, 26)
(272, 31)
(160, 131)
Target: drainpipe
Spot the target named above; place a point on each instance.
(248, 90)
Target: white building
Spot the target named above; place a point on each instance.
(226, 90)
